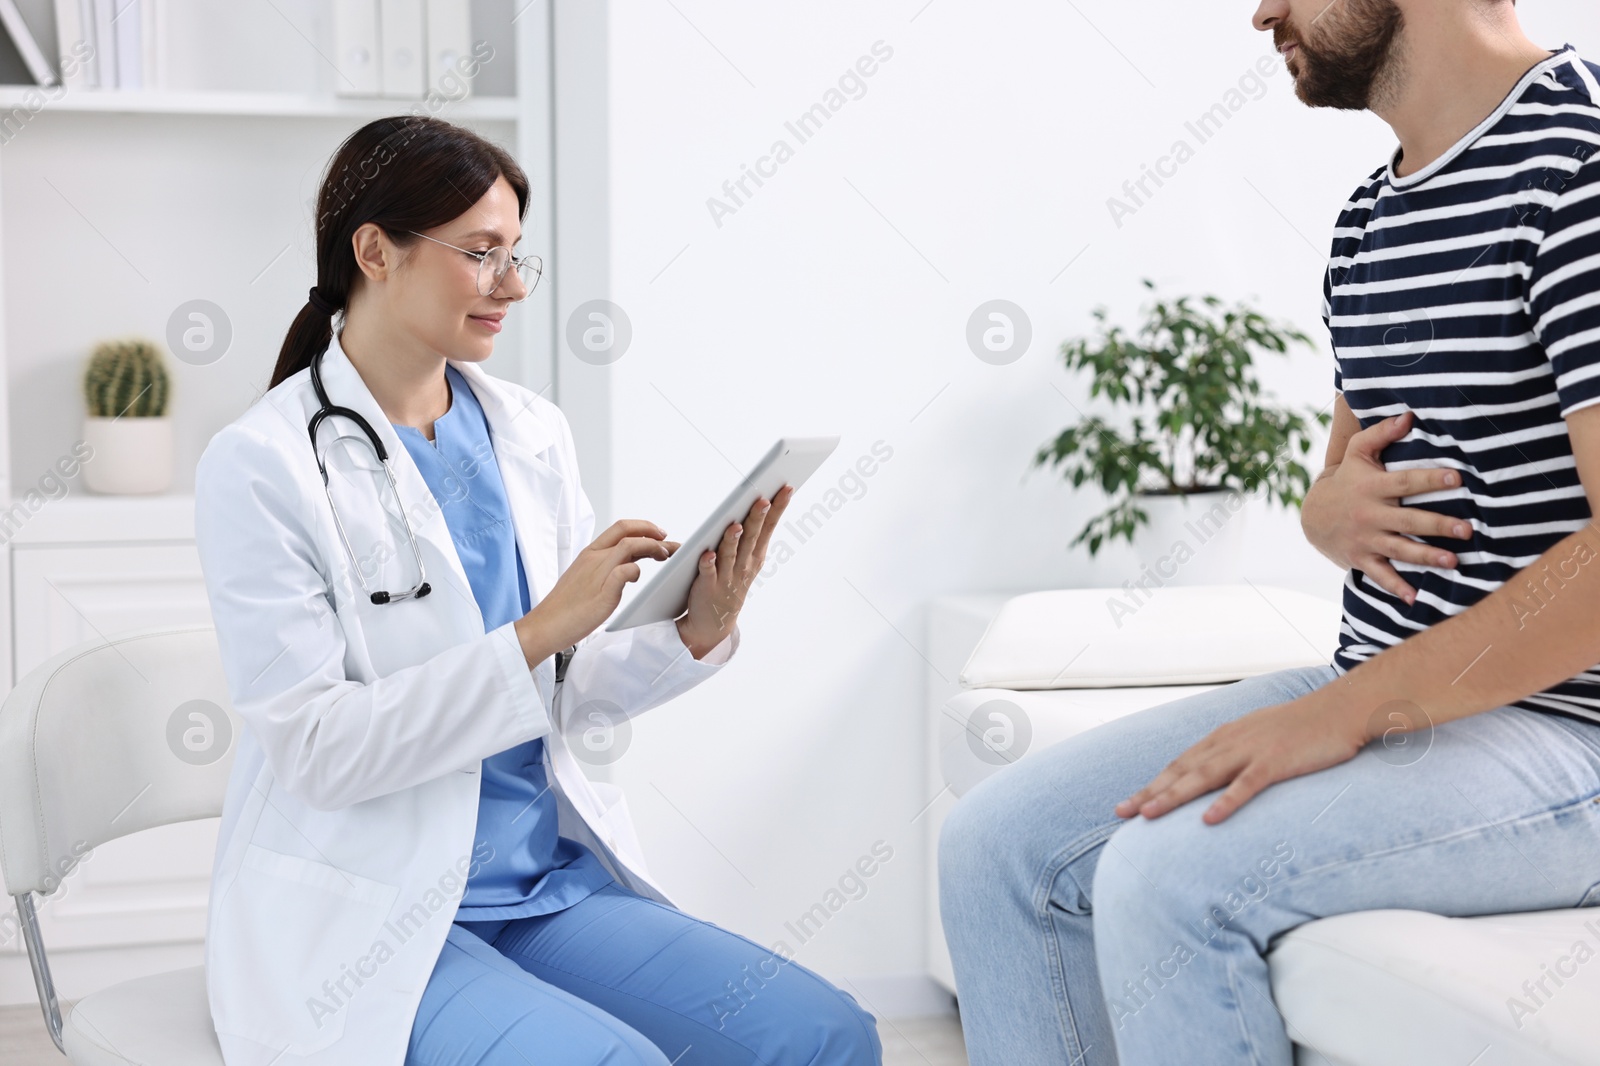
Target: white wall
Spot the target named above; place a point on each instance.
(976, 166)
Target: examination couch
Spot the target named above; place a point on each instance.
(1371, 988)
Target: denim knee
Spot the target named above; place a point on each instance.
(1178, 873)
(997, 840)
(987, 833)
(967, 836)
(1135, 876)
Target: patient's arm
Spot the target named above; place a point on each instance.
(1512, 643)
(1352, 512)
(1508, 645)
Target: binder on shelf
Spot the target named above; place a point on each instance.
(126, 21)
(355, 40)
(27, 47)
(449, 41)
(71, 29)
(152, 23)
(400, 34)
(105, 43)
(90, 67)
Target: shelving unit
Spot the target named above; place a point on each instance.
(283, 105)
(116, 207)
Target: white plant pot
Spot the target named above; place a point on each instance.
(130, 455)
(1194, 539)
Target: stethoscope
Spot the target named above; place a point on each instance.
(328, 410)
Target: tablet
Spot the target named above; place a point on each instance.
(788, 462)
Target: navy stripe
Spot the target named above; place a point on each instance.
(1469, 293)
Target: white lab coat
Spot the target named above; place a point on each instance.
(347, 830)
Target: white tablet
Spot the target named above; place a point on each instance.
(788, 462)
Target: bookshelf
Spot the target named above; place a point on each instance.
(117, 207)
(280, 104)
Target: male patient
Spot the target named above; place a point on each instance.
(1083, 888)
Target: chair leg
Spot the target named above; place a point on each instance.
(41, 968)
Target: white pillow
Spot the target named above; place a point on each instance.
(1178, 635)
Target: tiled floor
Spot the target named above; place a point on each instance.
(906, 1041)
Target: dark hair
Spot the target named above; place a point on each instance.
(405, 172)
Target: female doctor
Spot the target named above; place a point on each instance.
(411, 866)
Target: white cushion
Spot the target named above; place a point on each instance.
(164, 1019)
(1177, 635)
(1407, 988)
(982, 731)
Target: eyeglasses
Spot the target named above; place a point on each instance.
(493, 264)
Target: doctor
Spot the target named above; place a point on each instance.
(412, 867)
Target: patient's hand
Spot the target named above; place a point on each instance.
(1353, 516)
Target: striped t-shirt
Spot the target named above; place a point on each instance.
(1468, 292)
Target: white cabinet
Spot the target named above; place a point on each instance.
(85, 567)
(82, 569)
(63, 596)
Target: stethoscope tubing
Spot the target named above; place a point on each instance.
(327, 410)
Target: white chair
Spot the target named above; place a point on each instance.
(97, 743)
(1371, 988)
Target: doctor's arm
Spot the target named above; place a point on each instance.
(329, 740)
(630, 671)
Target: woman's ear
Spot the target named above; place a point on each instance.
(375, 253)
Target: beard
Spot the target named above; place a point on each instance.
(1349, 58)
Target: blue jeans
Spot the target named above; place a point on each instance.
(1080, 938)
(623, 980)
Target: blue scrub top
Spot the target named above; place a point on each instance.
(532, 869)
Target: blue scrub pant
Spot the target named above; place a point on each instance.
(623, 980)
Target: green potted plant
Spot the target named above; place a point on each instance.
(1192, 436)
(127, 388)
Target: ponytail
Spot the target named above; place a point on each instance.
(309, 333)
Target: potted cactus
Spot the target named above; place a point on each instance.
(127, 389)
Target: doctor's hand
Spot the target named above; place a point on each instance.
(718, 592)
(590, 588)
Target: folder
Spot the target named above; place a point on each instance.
(355, 42)
(152, 24)
(449, 41)
(83, 30)
(105, 43)
(400, 32)
(128, 18)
